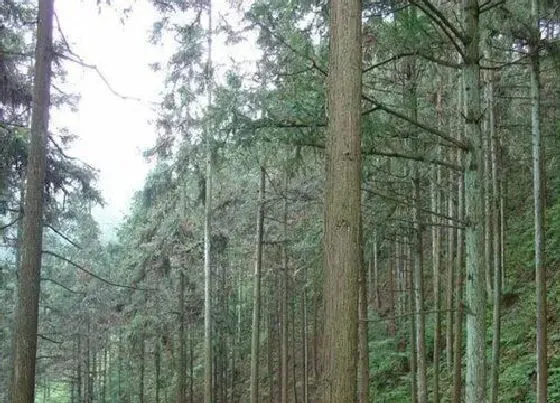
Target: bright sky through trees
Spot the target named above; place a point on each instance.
(113, 132)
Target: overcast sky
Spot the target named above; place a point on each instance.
(114, 132)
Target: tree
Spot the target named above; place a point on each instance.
(540, 270)
(27, 306)
(255, 340)
(343, 250)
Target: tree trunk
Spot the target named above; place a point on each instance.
(29, 284)
(284, 300)
(208, 391)
(412, 324)
(157, 365)
(496, 243)
(363, 350)
(181, 376)
(342, 234)
(418, 271)
(304, 337)
(255, 339)
(540, 270)
(475, 383)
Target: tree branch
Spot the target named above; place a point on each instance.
(429, 129)
(62, 286)
(104, 280)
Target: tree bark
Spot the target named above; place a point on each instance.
(255, 339)
(496, 243)
(342, 234)
(475, 382)
(363, 350)
(29, 285)
(182, 370)
(284, 300)
(540, 270)
(208, 390)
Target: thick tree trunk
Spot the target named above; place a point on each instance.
(29, 285)
(475, 383)
(255, 338)
(342, 239)
(540, 270)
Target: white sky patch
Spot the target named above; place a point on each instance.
(113, 132)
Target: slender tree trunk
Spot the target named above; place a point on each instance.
(294, 361)
(363, 363)
(475, 384)
(496, 244)
(208, 390)
(157, 365)
(436, 257)
(255, 339)
(343, 250)
(191, 366)
(540, 269)
(304, 337)
(376, 273)
(459, 265)
(29, 284)
(79, 369)
(284, 300)
(418, 271)
(449, 289)
(391, 274)
(412, 324)
(181, 376)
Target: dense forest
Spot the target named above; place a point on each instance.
(371, 214)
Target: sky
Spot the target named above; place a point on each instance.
(113, 132)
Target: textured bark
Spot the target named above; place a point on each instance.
(540, 270)
(27, 304)
(475, 379)
(342, 239)
(208, 391)
(255, 339)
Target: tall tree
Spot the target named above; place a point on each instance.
(208, 395)
(342, 240)
(540, 270)
(27, 305)
(255, 339)
(475, 384)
